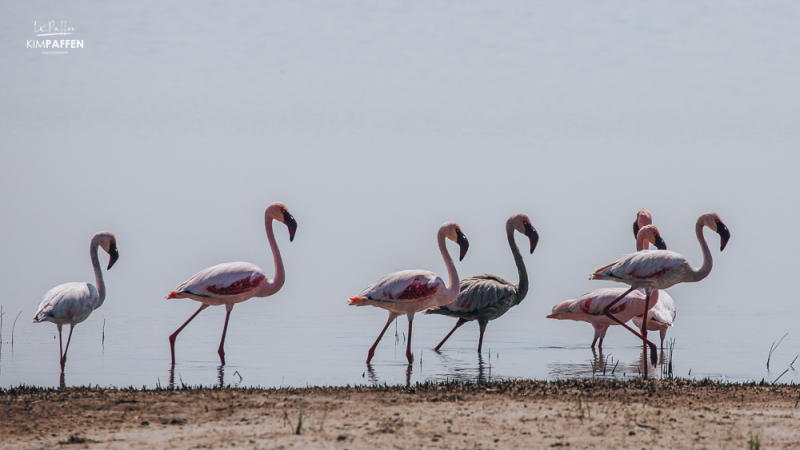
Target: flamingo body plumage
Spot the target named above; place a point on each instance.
(231, 283)
(487, 297)
(589, 308)
(403, 292)
(72, 303)
(223, 284)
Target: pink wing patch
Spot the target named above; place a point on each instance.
(586, 307)
(418, 290)
(657, 274)
(237, 287)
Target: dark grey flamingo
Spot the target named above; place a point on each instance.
(487, 297)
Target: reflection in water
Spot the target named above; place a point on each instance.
(371, 372)
(457, 370)
(171, 376)
(600, 365)
(62, 381)
(605, 366)
(373, 377)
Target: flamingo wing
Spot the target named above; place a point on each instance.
(648, 265)
(400, 287)
(482, 292)
(593, 303)
(69, 302)
(222, 280)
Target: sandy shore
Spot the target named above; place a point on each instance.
(518, 414)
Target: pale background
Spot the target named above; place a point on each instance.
(179, 122)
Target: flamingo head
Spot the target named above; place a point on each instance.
(522, 223)
(108, 242)
(279, 212)
(649, 234)
(643, 217)
(713, 221)
(452, 231)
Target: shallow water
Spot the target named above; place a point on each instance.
(317, 349)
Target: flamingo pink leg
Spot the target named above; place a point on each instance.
(371, 353)
(458, 324)
(608, 314)
(409, 356)
(66, 349)
(221, 350)
(174, 335)
(653, 355)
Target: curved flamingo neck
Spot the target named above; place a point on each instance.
(641, 243)
(454, 283)
(522, 287)
(98, 272)
(274, 285)
(705, 269)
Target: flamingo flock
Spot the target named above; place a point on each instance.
(480, 298)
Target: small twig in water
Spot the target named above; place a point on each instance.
(615, 367)
(774, 347)
(12, 330)
(792, 364)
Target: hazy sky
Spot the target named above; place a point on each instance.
(179, 122)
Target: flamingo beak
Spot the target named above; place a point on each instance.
(113, 254)
(291, 224)
(724, 235)
(532, 235)
(463, 243)
(635, 228)
(660, 244)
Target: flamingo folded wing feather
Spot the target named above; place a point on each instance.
(482, 292)
(67, 301)
(644, 265)
(593, 303)
(404, 286)
(224, 280)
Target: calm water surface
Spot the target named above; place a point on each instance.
(289, 349)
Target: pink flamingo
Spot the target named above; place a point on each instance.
(661, 269)
(72, 303)
(231, 283)
(411, 291)
(590, 307)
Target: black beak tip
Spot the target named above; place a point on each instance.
(463, 243)
(113, 256)
(724, 235)
(660, 244)
(291, 224)
(635, 228)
